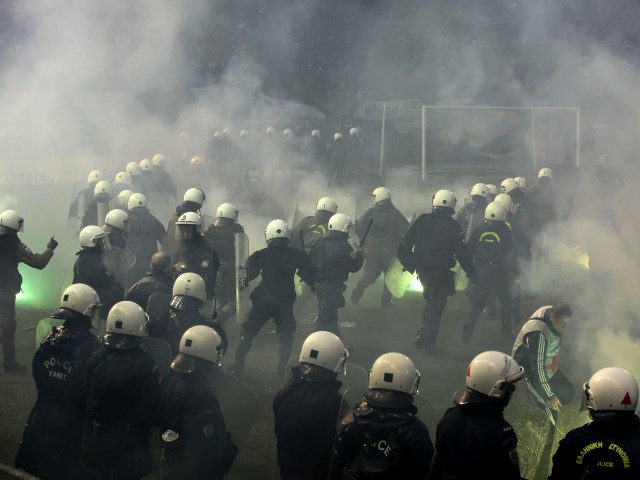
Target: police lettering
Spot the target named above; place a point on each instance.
(587, 449)
(58, 368)
(382, 446)
(626, 463)
(623, 455)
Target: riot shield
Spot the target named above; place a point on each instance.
(44, 328)
(397, 279)
(305, 308)
(82, 205)
(158, 302)
(103, 208)
(239, 404)
(296, 217)
(160, 352)
(243, 303)
(208, 308)
(118, 262)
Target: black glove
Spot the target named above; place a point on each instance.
(223, 336)
(53, 243)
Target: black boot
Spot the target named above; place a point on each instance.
(10, 363)
(244, 345)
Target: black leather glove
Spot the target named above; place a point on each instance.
(223, 336)
(53, 243)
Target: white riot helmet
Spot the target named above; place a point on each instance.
(194, 195)
(380, 194)
(226, 131)
(117, 218)
(196, 163)
(315, 133)
(146, 165)
(91, 235)
(508, 185)
(444, 198)
(337, 136)
(217, 134)
(277, 229)
(611, 389)
(522, 182)
(495, 211)
(480, 189)
(189, 224)
(227, 210)
(325, 350)
(493, 190)
(127, 318)
(395, 372)
(244, 133)
(80, 298)
(327, 204)
(545, 172)
(353, 132)
(102, 191)
(159, 159)
(270, 131)
(122, 200)
(506, 201)
(11, 220)
(137, 200)
(95, 176)
(340, 223)
(493, 374)
(286, 132)
(122, 178)
(133, 169)
(190, 285)
(202, 342)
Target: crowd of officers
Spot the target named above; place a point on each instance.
(99, 397)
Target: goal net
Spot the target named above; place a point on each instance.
(498, 138)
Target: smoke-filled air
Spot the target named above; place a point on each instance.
(408, 117)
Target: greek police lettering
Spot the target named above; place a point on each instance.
(626, 463)
(382, 446)
(587, 449)
(58, 368)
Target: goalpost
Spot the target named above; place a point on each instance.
(495, 133)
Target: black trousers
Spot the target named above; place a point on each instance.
(375, 263)
(491, 279)
(8, 327)
(437, 286)
(330, 299)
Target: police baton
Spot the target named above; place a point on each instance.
(366, 232)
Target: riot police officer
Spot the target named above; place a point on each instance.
(164, 181)
(431, 246)
(336, 259)
(195, 443)
(122, 398)
(609, 446)
(493, 252)
(471, 214)
(52, 440)
(387, 225)
(274, 296)
(311, 229)
(473, 439)
(145, 235)
(189, 293)
(90, 269)
(12, 253)
(158, 279)
(222, 235)
(307, 408)
(192, 201)
(84, 198)
(195, 252)
(116, 224)
(383, 435)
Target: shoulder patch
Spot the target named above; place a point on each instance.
(207, 431)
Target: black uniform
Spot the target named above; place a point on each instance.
(381, 245)
(170, 242)
(310, 230)
(154, 281)
(306, 411)
(171, 324)
(190, 408)
(52, 439)
(122, 406)
(197, 255)
(473, 440)
(90, 270)
(12, 253)
(543, 195)
(471, 215)
(78, 208)
(145, 235)
(493, 251)
(384, 439)
(222, 235)
(118, 238)
(164, 182)
(274, 296)
(607, 448)
(526, 224)
(431, 246)
(335, 259)
(338, 161)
